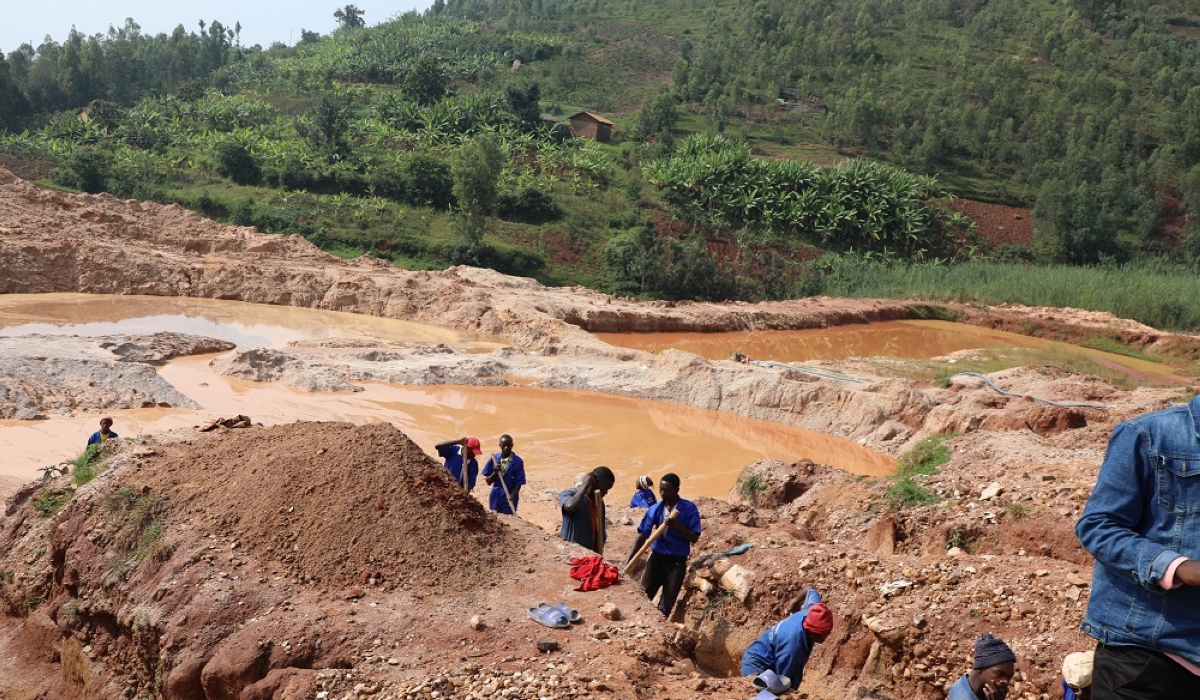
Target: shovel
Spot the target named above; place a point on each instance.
(502, 468)
(598, 522)
(649, 541)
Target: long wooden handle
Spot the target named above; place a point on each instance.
(598, 522)
(507, 495)
(649, 541)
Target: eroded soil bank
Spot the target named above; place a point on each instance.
(321, 557)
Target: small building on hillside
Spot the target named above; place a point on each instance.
(591, 126)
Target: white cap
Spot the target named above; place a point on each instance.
(1077, 669)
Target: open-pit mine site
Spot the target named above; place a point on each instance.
(273, 521)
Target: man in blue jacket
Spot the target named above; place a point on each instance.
(505, 472)
(1142, 524)
(785, 647)
(669, 553)
(461, 454)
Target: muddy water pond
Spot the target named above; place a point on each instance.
(904, 339)
(558, 433)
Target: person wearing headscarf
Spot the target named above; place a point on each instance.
(992, 670)
(644, 496)
(104, 434)
(786, 646)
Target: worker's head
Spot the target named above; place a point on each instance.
(668, 486)
(106, 424)
(604, 479)
(818, 622)
(474, 446)
(645, 483)
(506, 445)
(995, 662)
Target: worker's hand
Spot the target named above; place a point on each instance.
(997, 691)
(1188, 573)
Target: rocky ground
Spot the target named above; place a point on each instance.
(323, 560)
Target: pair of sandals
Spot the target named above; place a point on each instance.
(558, 616)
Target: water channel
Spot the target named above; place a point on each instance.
(558, 433)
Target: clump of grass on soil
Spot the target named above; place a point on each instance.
(923, 459)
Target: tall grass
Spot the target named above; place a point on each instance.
(1159, 295)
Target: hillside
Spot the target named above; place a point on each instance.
(425, 140)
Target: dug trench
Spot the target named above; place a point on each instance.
(330, 560)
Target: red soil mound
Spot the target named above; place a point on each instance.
(330, 503)
(1000, 225)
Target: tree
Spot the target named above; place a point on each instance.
(658, 115)
(523, 103)
(424, 81)
(13, 106)
(476, 167)
(350, 17)
(325, 126)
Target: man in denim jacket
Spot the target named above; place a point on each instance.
(1142, 524)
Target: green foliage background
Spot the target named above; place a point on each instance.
(1087, 111)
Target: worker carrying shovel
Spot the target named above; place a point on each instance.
(505, 472)
(459, 456)
(670, 528)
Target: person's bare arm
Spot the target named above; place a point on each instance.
(446, 443)
(579, 500)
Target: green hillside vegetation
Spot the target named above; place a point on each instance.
(420, 140)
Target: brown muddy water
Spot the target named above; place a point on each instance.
(558, 433)
(920, 340)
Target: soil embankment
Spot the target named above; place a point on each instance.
(326, 558)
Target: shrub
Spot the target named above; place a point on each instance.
(242, 212)
(531, 206)
(86, 169)
(48, 502)
(389, 182)
(926, 456)
(86, 466)
(750, 485)
(428, 182)
(235, 162)
(906, 493)
(1017, 510)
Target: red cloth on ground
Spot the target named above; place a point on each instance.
(594, 572)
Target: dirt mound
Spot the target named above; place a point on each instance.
(330, 503)
(998, 224)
